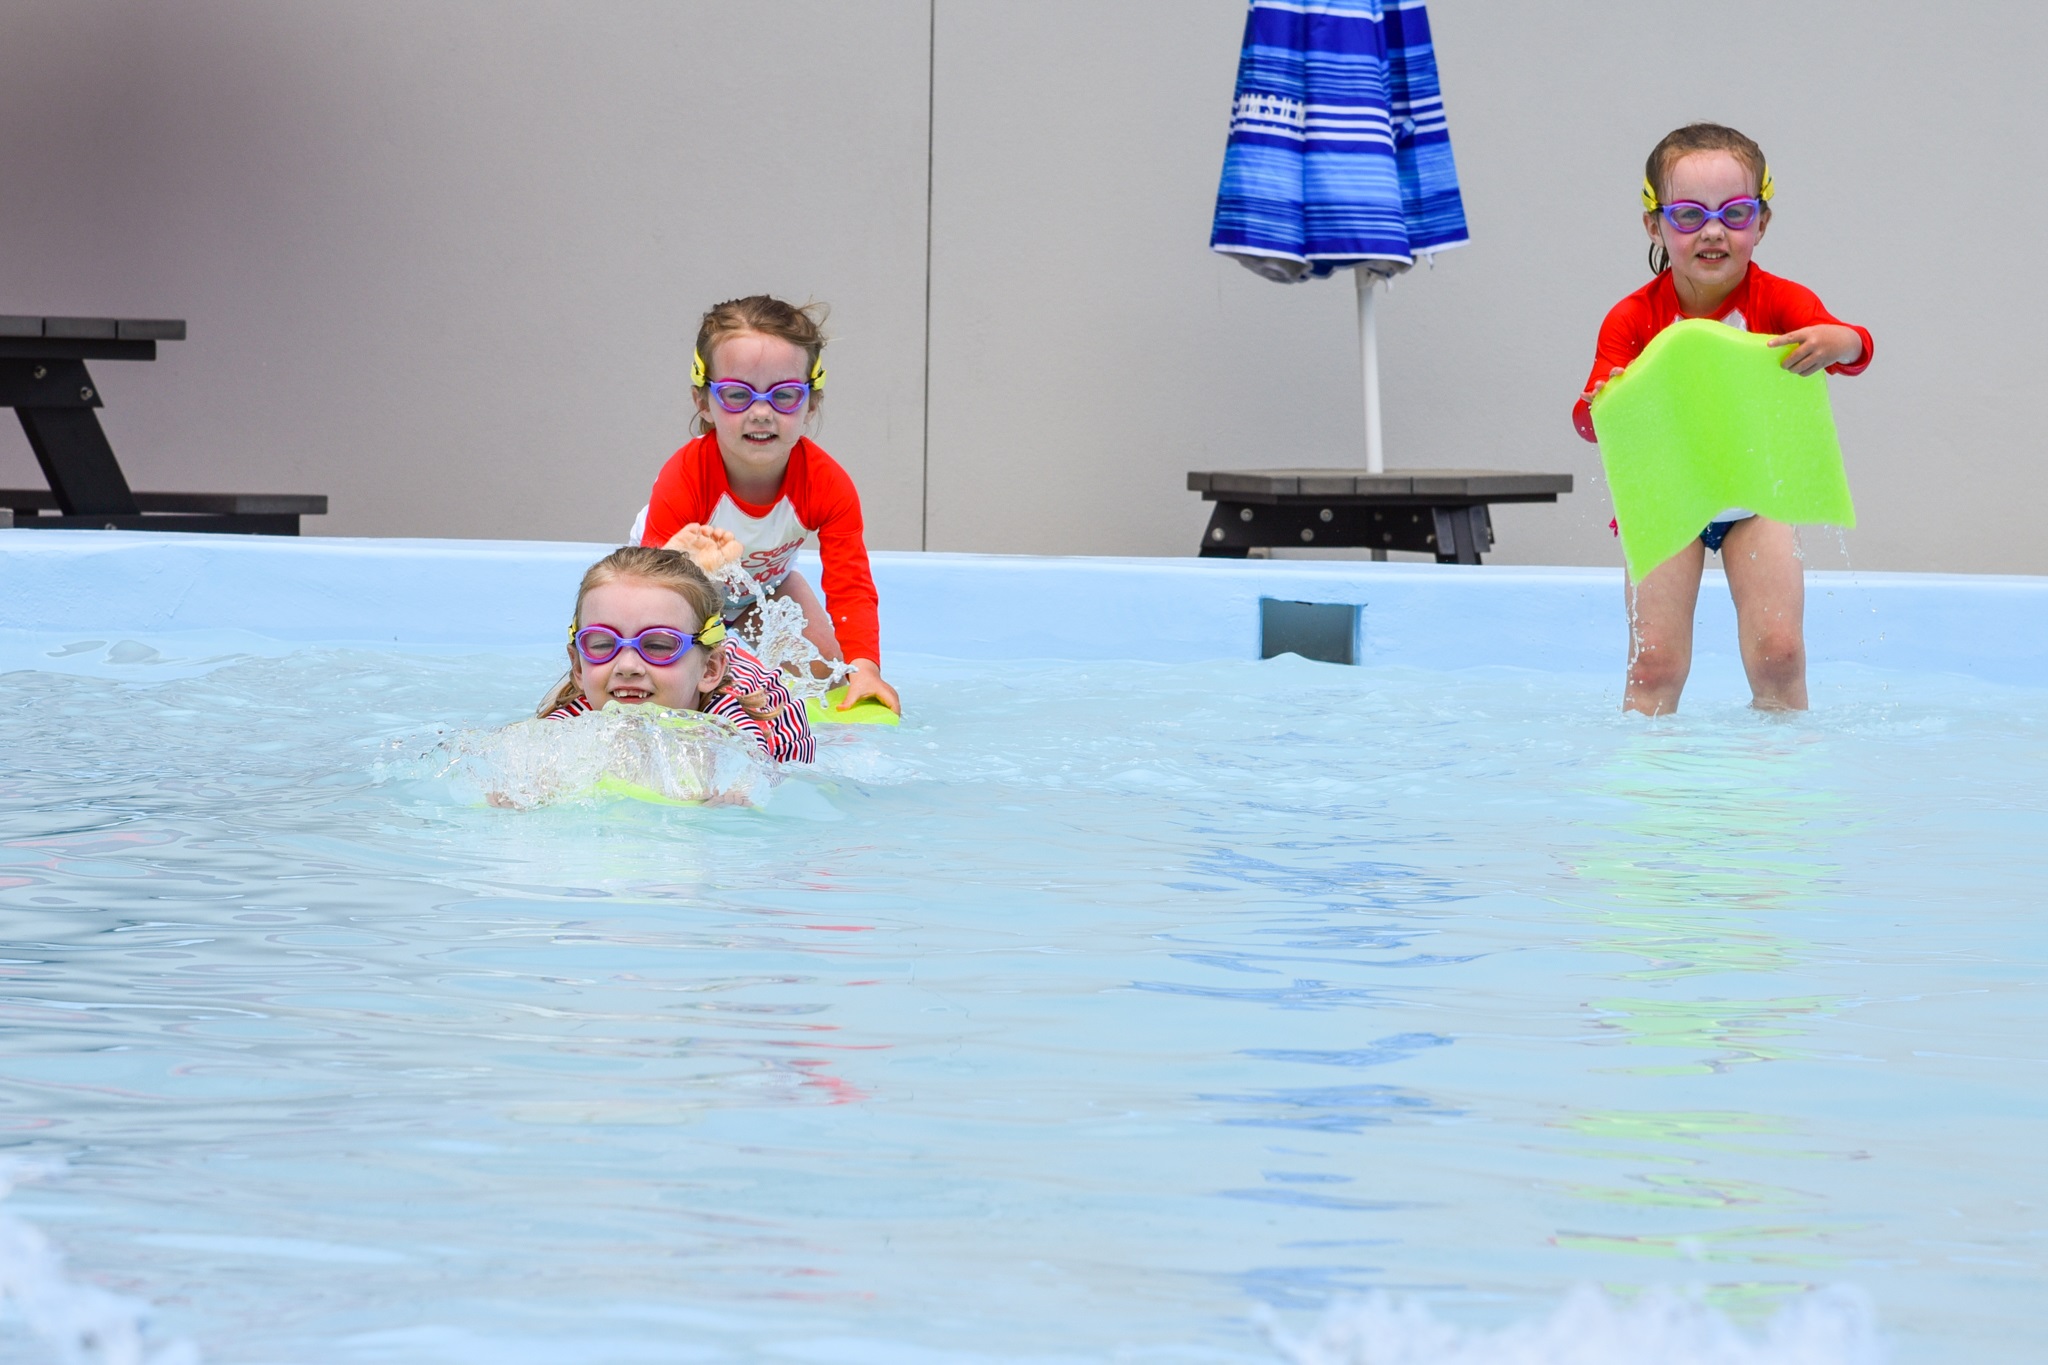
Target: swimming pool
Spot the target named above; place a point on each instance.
(1133, 984)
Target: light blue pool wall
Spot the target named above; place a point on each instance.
(508, 594)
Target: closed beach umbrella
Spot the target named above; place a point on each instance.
(1339, 155)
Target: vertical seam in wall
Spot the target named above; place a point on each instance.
(931, 68)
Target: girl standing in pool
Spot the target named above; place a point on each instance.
(649, 630)
(1706, 205)
(753, 482)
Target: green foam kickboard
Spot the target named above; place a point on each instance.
(634, 791)
(1708, 418)
(866, 711)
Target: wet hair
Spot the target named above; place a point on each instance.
(671, 569)
(1700, 137)
(803, 328)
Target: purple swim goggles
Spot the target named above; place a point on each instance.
(734, 396)
(658, 645)
(1689, 217)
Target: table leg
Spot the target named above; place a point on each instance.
(1213, 536)
(1463, 534)
(77, 460)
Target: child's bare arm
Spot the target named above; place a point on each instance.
(1819, 346)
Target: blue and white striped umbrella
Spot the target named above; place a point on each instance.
(1339, 153)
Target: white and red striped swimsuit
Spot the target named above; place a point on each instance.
(784, 736)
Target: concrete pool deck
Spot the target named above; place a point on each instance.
(512, 594)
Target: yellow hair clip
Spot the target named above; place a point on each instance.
(1651, 204)
(712, 633)
(700, 376)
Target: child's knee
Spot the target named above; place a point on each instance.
(1779, 652)
(1658, 667)
(1774, 629)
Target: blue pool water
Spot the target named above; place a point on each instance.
(1099, 1006)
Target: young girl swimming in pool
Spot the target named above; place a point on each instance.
(752, 484)
(1706, 205)
(648, 631)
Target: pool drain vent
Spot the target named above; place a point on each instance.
(1333, 632)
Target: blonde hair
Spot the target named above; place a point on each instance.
(1680, 143)
(802, 327)
(669, 569)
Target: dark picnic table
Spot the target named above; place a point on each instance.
(1435, 511)
(44, 379)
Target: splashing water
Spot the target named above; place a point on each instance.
(777, 636)
(1829, 1327)
(622, 750)
(86, 1325)
(1842, 545)
(644, 751)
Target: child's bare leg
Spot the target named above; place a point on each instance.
(1768, 583)
(1660, 613)
(817, 624)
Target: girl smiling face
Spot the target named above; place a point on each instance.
(1708, 264)
(756, 443)
(629, 606)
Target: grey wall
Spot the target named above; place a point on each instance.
(442, 261)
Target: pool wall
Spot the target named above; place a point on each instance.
(471, 594)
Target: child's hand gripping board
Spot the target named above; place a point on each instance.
(1708, 418)
(866, 711)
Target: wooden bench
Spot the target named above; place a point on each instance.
(1434, 511)
(44, 379)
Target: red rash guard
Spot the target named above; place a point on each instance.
(1763, 302)
(816, 499)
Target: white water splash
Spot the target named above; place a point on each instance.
(82, 1323)
(675, 755)
(1828, 1327)
(773, 629)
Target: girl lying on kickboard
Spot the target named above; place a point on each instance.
(649, 630)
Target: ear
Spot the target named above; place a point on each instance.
(714, 670)
(1763, 222)
(1653, 225)
(575, 666)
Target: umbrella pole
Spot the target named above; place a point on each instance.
(1369, 362)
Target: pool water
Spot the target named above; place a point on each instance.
(1095, 1008)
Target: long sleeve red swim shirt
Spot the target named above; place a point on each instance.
(1763, 302)
(817, 499)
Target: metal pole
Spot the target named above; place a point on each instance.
(1369, 361)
